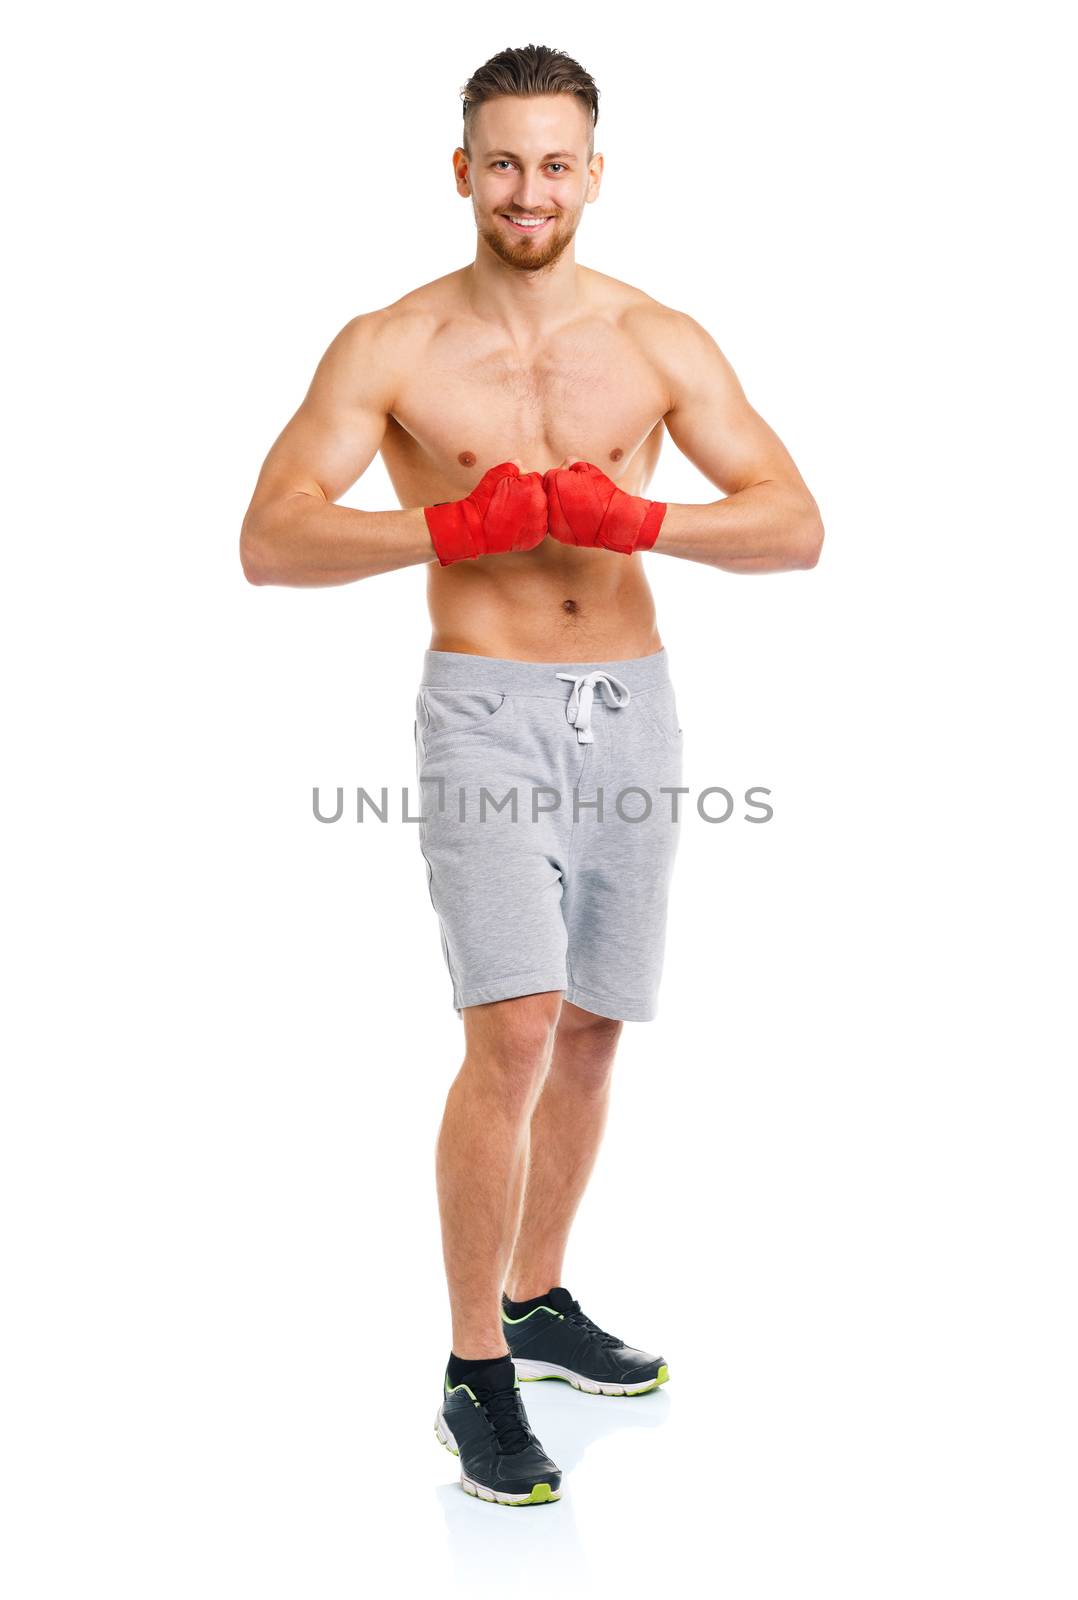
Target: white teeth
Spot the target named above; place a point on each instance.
(533, 222)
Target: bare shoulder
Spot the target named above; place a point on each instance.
(375, 348)
(680, 349)
(634, 307)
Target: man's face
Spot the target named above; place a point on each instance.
(529, 161)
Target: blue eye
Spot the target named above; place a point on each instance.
(503, 161)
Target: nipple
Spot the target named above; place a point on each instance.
(617, 453)
(466, 458)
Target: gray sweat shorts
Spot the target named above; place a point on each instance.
(548, 825)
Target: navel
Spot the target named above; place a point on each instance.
(568, 605)
(466, 458)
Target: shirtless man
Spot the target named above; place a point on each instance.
(519, 405)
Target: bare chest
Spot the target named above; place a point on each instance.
(468, 405)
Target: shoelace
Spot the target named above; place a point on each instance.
(580, 1319)
(504, 1410)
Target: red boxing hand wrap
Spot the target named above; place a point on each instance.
(505, 511)
(586, 508)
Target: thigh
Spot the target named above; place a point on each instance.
(494, 875)
(622, 864)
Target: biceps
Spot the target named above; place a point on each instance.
(729, 442)
(332, 439)
(713, 424)
(322, 451)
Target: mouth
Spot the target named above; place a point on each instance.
(528, 224)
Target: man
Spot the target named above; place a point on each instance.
(519, 405)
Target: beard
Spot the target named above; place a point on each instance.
(524, 254)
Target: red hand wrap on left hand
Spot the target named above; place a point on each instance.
(505, 511)
(586, 508)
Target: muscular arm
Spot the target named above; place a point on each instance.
(292, 532)
(768, 521)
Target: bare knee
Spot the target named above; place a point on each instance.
(585, 1047)
(510, 1041)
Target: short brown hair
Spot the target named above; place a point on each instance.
(533, 69)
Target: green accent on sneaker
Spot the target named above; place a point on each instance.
(457, 1386)
(661, 1376)
(542, 1494)
(534, 1313)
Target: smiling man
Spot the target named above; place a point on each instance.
(519, 405)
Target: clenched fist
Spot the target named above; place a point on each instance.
(506, 510)
(586, 508)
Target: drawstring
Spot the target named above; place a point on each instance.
(578, 709)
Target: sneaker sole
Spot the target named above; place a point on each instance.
(536, 1371)
(541, 1494)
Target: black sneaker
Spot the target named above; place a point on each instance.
(484, 1423)
(556, 1340)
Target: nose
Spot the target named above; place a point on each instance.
(528, 194)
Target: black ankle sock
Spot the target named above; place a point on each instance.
(460, 1366)
(520, 1308)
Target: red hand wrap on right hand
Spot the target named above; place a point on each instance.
(507, 510)
(587, 508)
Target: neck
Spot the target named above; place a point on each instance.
(528, 302)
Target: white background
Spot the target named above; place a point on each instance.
(837, 1189)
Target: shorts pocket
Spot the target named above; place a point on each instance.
(444, 715)
(659, 708)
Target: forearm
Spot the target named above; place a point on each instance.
(308, 542)
(768, 527)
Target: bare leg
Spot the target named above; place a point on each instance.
(482, 1155)
(566, 1131)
